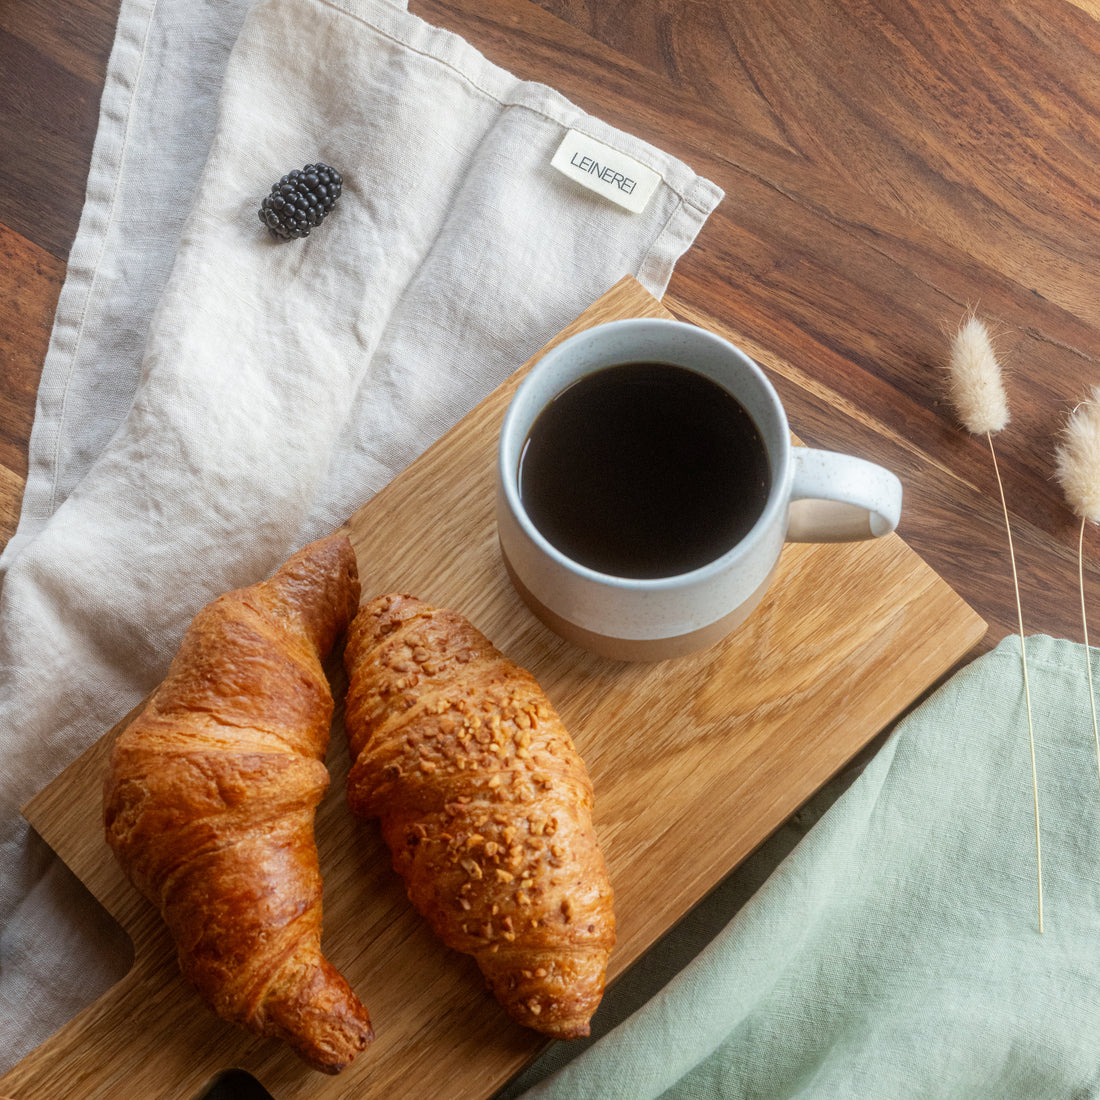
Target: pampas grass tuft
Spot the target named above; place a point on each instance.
(976, 390)
(1078, 471)
(974, 381)
(1078, 459)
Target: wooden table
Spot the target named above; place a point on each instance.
(886, 166)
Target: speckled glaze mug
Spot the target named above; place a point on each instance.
(814, 496)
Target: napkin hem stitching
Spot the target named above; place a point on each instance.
(109, 209)
(639, 148)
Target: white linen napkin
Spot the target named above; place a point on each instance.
(213, 399)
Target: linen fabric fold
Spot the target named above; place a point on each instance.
(895, 952)
(213, 399)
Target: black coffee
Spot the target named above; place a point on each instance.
(644, 470)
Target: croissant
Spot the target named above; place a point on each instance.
(485, 805)
(210, 798)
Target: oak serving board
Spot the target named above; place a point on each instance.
(695, 761)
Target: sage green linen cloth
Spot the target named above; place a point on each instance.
(895, 952)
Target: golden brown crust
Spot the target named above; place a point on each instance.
(485, 805)
(210, 799)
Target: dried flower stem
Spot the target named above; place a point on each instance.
(1027, 690)
(977, 392)
(1085, 634)
(1078, 470)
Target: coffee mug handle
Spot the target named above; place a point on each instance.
(841, 498)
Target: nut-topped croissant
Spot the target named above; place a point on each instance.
(485, 805)
(210, 799)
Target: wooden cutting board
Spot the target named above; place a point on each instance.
(695, 761)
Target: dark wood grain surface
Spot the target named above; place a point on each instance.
(887, 165)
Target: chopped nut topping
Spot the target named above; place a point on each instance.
(504, 876)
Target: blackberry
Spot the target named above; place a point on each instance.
(300, 201)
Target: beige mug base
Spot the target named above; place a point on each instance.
(636, 649)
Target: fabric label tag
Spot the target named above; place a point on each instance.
(606, 171)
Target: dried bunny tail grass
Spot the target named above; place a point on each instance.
(975, 388)
(1078, 459)
(1077, 468)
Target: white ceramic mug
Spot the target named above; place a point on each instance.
(814, 496)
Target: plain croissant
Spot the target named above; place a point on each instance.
(210, 799)
(485, 805)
